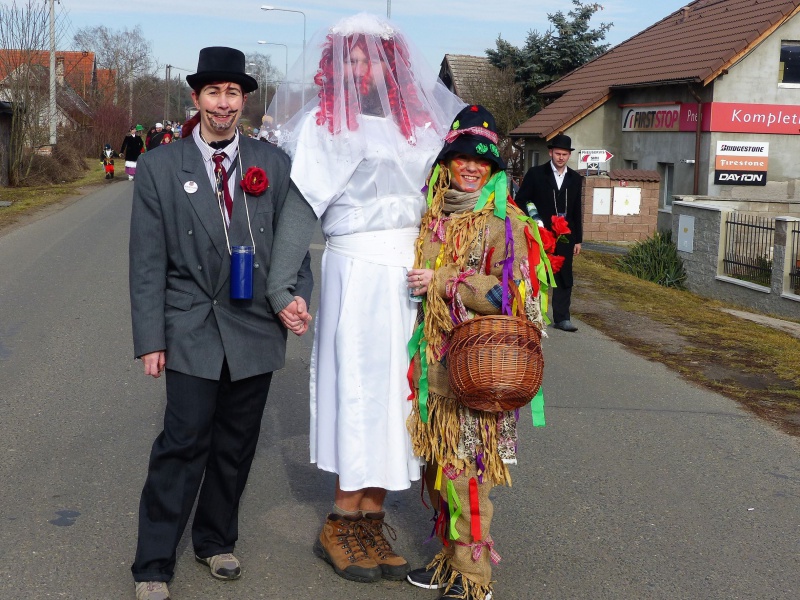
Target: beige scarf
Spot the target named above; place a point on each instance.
(456, 201)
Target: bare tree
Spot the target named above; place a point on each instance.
(24, 39)
(125, 51)
(264, 72)
(498, 91)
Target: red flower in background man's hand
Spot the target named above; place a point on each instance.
(559, 226)
(254, 181)
(548, 240)
(556, 262)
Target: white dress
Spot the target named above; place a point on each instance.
(368, 197)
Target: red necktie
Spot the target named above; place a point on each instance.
(222, 182)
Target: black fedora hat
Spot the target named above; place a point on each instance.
(561, 141)
(218, 64)
(474, 133)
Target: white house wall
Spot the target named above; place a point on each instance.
(754, 80)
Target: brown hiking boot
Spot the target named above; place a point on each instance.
(393, 566)
(339, 544)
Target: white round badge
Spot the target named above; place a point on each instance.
(190, 187)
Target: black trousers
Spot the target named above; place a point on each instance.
(562, 297)
(210, 427)
(562, 293)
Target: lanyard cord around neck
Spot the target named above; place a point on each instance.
(221, 206)
(555, 200)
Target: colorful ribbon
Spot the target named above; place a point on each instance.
(477, 549)
(418, 343)
(432, 183)
(474, 510)
(479, 131)
(455, 509)
(537, 408)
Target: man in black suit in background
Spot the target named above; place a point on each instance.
(554, 189)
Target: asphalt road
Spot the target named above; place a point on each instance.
(641, 486)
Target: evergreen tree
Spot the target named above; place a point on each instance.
(546, 57)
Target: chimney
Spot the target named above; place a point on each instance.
(60, 70)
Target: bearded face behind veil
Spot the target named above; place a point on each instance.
(369, 75)
(365, 69)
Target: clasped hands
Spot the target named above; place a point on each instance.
(295, 317)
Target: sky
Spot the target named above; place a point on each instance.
(178, 29)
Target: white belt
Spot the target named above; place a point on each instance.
(392, 247)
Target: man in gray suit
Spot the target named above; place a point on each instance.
(191, 206)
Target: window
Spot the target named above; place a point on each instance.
(631, 164)
(667, 172)
(789, 68)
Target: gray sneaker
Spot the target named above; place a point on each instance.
(151, 590)
(223, 566)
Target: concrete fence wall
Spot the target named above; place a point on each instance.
(698, 229)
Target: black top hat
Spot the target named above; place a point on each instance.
(564, 142)
(474, 133)
(217, 64)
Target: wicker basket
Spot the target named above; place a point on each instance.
(495, 363)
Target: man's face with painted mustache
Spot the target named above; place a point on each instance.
(220, 106)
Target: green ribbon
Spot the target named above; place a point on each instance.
(432, 183)
(454, 504)
(417, 343)
(497, 185)
(537, 408)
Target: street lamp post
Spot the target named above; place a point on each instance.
(285, 70)
(303, 83)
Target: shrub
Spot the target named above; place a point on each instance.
(65, 164)
(655, 259)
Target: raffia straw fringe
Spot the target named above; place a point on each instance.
(444, 574)
(461, 227)
(438, 439)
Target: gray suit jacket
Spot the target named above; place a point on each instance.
(180, 266)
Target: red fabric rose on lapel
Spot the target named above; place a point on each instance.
(255, 181)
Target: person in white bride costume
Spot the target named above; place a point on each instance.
(361, 150)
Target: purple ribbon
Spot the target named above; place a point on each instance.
(508, 268)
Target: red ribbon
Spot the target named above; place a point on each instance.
(475, 510)
(489, 260)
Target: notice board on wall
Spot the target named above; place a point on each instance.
(601, 201)
(627, 200)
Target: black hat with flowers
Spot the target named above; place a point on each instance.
(473, 133)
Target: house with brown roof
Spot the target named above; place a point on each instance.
(461, 73)
(709, 97)
(78, 69)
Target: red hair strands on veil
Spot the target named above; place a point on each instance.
(406, 108)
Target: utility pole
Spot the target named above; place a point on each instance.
(388, 9)
(167, 74)
(53, 110)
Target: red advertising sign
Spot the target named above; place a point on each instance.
(755, 118)
(735, 117)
